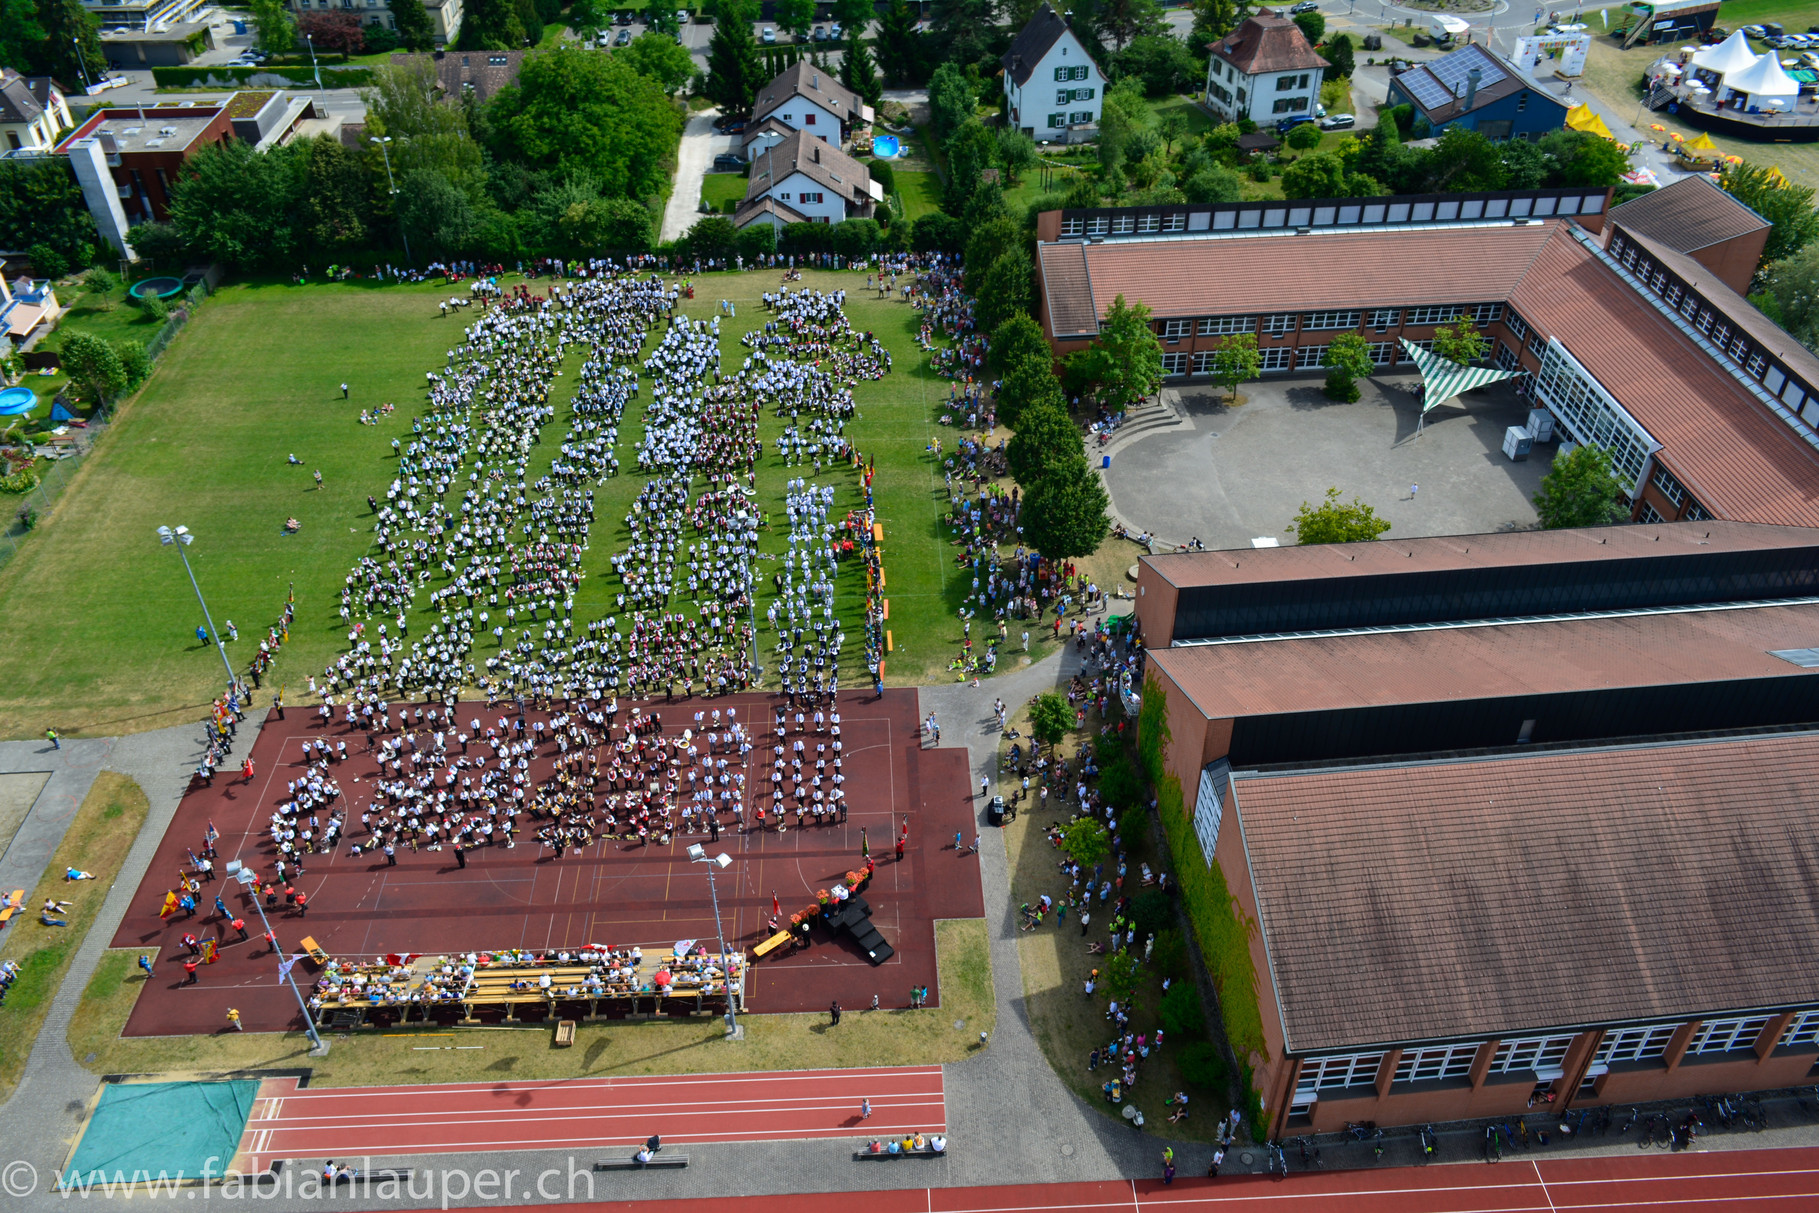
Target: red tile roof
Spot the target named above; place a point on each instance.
(1268, 43)
(1559, 889)
(1430, 665)
(1688, 215)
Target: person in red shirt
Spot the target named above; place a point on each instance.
(189, 971)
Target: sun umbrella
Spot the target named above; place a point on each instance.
(1656, 126)
(1677, 137)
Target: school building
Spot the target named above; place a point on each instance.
(1516, 820)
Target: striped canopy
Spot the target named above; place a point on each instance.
(1445, 379)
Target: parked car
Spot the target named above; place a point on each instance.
(1338, 122)
(1306, 6)
(730, 126)
(820, 34)
(728, 162)
(624, 17)
(1754, 31)
(769, 35)
(1288, 124)
(624, 38)
(834, 32)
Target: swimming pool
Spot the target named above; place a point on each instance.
(884, 146)
(16, 400)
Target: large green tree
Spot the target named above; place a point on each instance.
(1788, 207)
(1461, 341)
(1336, 521)
(900, 45)
(1124, 20)
(950, 100)
(858, 72)
(735, 70)
(71, 50)
(970, 151)
(490, 25)
(1132, 357)
(1064, 513)
(577, 111)
(1007, 290)
(1236, 361)
(1581, 490)
(1348, 359)
(660, 58)
(93, 364)
(41, 204)
(277, 29)
(1792, 287)
(1018, 340)
(796, 16)
(440, 218)
(1213, 20)
(1030, 388)
(236, 206)
(1046, 438)
(415, 30)
(1162, 62)
(336, 194)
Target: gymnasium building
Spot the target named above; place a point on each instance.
(1517, 820)
(1626, 323)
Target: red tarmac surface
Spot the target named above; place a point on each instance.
(613, 893)
(478, 1119)
(1756, 1181)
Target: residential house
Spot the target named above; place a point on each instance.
(32, 111)
(805, 98)
(142, 150)
(444, 15)
(1050, 78)
(803, 179)
(1264, 70)
(476, 74)
(1476, 89)
(25, 307)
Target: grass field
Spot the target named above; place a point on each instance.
(97, 621)
(921, 192)
(723, 192)
(659, 1046)
(97, 842)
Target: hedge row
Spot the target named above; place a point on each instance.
(1219, 923)
(232, 77)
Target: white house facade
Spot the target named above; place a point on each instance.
(805, 98)
(810, 179)
(1050, 80)
(1264, 70)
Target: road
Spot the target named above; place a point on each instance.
(700, 144)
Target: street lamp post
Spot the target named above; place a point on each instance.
(392, 188)
(81, 61)
(249, 881)
(180, 538)
(313, 65)
(698, 854)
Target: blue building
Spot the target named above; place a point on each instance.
(1477, 90)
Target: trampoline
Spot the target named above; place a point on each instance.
(885, 146)
(181, 1129)
(163, 288)
(17, 400)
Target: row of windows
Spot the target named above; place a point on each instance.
(1078, 72)
(1075, 118)
(1065, 95)
(1279, 358)
(1280, 323)
(1544, 1054)
(1330, 320)
(1289, 105)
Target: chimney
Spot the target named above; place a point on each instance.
(1471, 86)
(814, 81)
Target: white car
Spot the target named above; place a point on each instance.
(769, 35)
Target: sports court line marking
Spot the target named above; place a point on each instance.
(1548, 1196)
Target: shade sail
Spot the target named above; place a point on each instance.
(1444, 379)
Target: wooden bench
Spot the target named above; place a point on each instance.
(565, 1033)
(870, 1156)
(772, 944)
(14, 901)
(631, 1163)
(313, 950)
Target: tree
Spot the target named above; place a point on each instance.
(662, 59)
(938, 233)
(857, 71)
(1064, 513)
(277, 29)
(1046, 438)
(1213, 20)
(1237, 361)
(1313, 26)
(1030, 389)
(57, 38)
(135, 363)
(1083, 838)
(1316, 175)
(660, 19)
(1016, 154)
(1050, 717)
(1202, 1065)
(576, 111)
(439, 217)
(236, 206)
(1338, 54)
(988, 242)
(1792, 287)
(1128, 365)
(1581, 490)
(969, 153)
(1161, 61)
(1460, 341)
(41, 204)
(1018, 340)
(900, 45)
(1213, 183)
(94, 365)
(336, 193)
(405, 104)
(1583, 159)
(796, 16)
(415, 31)
(734, 69)
(1303, 138)
(1464, 161)
(1336, 521)
(1525, 165)
(1788, 207)
(950, 100)
(1181, 1012)
(531, 21)
(1125, 20)
(1125, 118)
(1348, 359)
(1007, 289)
(341, 33)
(490, 25)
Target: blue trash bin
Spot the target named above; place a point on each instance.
(1105, 461)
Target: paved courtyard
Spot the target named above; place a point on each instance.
(1228, 474)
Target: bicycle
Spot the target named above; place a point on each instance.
(1310, 1155)
(1277, 1164)
(1493, 1146)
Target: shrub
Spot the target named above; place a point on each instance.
(47, 261)
(1151, 910)
(22, 481)
(1086, 840)
(1050, 717)
(1170, 955)
(134, 361)
(884, 175)
(1260, 171)
(28, 517)
(1201, 1064)
(1304, 138)
(1181, 1012)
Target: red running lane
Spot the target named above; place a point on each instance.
(1750, 1181)
(586, 1113)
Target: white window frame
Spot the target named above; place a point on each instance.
(1174, 330)
(1527, 1054)
(1435, 1063)
(1275, 358)
(1803, 1029)
(1175, 364)
(1219, 326)
(1737, 1035)
(1425, 317)
(1385, 317)
(1311, 357)
(1312, 322)
(1280, 323)
(1338, 1072)
(1644, 1042)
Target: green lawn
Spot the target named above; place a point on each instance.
(921, 192)
(1198, 123)
(723, 192)
(97, 621)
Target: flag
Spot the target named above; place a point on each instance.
(284, 966)
(208, 951)
(213, 833)
(776, 906)
(193, 861)
(170, 905)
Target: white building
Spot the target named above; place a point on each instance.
(1050, 79)
(805, 98)
(32, 112)
(144, 16)
(1264, 70)
(444, 15)
(802, 179)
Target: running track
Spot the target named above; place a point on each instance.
(480, 1118)
(1756, 1181)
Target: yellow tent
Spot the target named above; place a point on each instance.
(1701, 143)
(1596, 127)
(1580, 116)
(1777, 178)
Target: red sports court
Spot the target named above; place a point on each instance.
(613, 893)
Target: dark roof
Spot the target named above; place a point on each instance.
(750, 209)
(768, 126)
(1424, 665)
(1506, 549)
(1067, 289)
(1036, 40)
(1735, 308)
(1258, 141)
(18, 99)
(1499, 80)
(1688, 215)
(486, 72)
(1267, 43)
(1571, 888)
(804, 79)
(818, 159)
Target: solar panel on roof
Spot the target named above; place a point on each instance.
(1424, 88)
(1451, 70)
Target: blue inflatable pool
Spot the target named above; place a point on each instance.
(17, 400)
(884, 146)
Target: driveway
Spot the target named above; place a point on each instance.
(700, 144)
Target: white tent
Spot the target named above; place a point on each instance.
(1731, 55)
(1766, 85)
